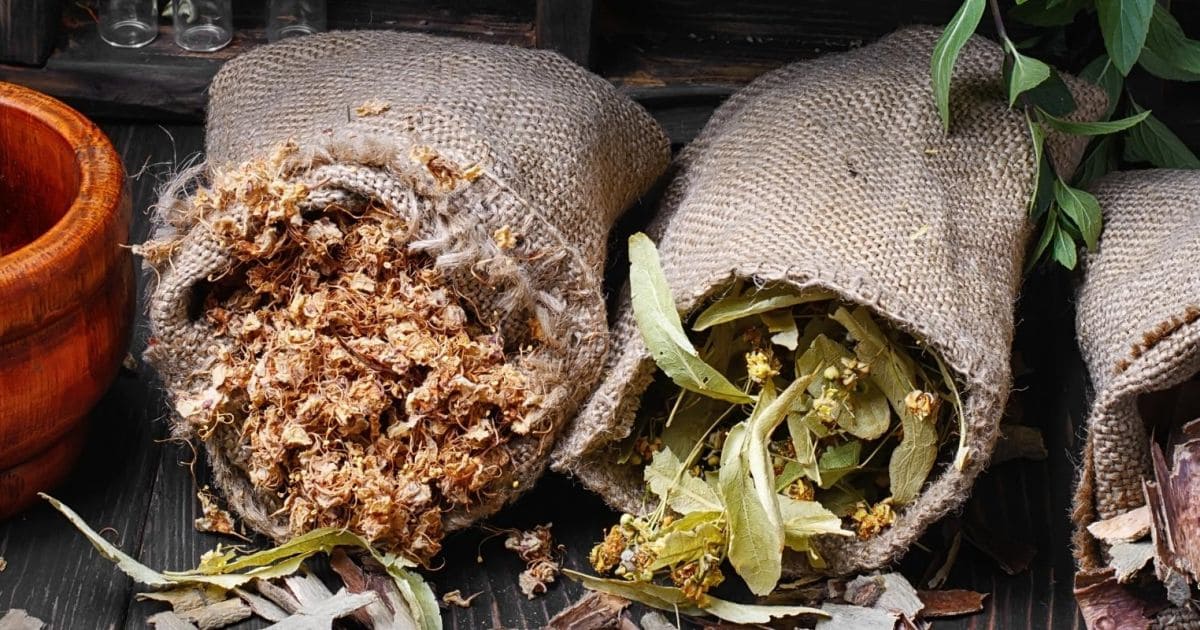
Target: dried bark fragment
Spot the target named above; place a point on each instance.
(843, 617)
(1127, 559)
(1106, 604)
(389, 610)
(1173, 499)
(863, 590)
(3, 564)
(1128, 527)
(17, 619)
(595, 611)
(950, 603)
(322, 614)
(899, 596)
(167, 620)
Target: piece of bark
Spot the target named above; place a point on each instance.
(899, 596)
(950, 603)
(322, 614)
(844, 617)
(594, 611)
(1019, 441)
(1174, 501)
(261, 606)
(186, 598)
(277, 594)
(1127, 527)
(308, 589)
(390, 611)
(18, 619)
(863, 590)
(1106, 604)
(218, 615)
(1128, 558)
(168, 620)
(656, 621)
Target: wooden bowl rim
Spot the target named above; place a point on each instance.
(78, 236)
(99, 168)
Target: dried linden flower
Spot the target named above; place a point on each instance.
(505, 238)
(872, 520)
(921, 404)
(761, 367)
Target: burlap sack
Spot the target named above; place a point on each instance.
(1137, 323)
(836, 173)
(558, 155)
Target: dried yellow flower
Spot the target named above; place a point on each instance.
(372, 107)
(505, 238)
(921, 404)
(873, 519)
(760, 366)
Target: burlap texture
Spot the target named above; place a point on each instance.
(1144, 274)
(561, 155)
(836, 173)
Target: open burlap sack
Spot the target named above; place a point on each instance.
(460, 140)
(836, 173)
(1136, 319)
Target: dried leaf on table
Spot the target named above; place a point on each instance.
(1106, 604)
(1127, 527)
(950, 603)
(594, 611)
(17, 619)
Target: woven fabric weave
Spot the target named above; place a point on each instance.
(557, 155)
(836, 173)
(1142, 281)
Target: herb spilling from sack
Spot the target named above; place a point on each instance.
(355, 389)
(797, 417)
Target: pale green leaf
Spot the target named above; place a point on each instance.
(1124, 24)
(1153, 142)
(838, 461)
(683, 492)
(867, 415)
(687, 539)
(1092, 128)
(805, 446)
(1081, 208)
(945, 53)
(804, 519)
(913, 458)
(1025, 73)
(672, 599)
(755, 528)
(755, 302)
(661, 329)
(1063, 249)
(783, 329)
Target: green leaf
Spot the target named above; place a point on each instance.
(687, 539)
(1037, 135)
(1048, 229)
(683, 491)
(755, 528)
(1100, 159)
(782, 326)
(804, 519)
(1082, 209)
(1169, 53)
(867, 416)
(734, 307)
(838, 461)
(1025, 73)
(1063, 249)
(671, 599)
(1153, 142)
(913, 458)
(662, 330)
(806, 449)
(1040, 13)
(1103, 73)
(1052, 95)
(945, 53)
(1124, 24)
(1093, 128)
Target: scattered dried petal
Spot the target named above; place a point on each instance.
(213, 519)
(372, 107)
(542, 564)
(455, 598)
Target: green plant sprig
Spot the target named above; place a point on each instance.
(1135, 32)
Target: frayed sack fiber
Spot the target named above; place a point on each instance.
(502, 169)
(836, 174)
(1138, 321)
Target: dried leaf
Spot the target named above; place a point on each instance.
(1106, 604)
(687, 539)
(594, 611)
(783, 329)
(683, 492)
(755, 302)
(950, 603)
(672, 599)
(661, 329)
(267, 564)
(838, 461)
(1127, 527)
(805, 519)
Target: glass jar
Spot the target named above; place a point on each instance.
(128, 23)
(202, 25)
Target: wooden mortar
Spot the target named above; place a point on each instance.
(66, 286)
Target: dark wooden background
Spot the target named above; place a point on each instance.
(680, 59)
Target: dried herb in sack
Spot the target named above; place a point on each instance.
(799, 417)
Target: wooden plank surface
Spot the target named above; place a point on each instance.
(27, 30)
(133, 483)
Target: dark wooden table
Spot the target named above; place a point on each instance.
(137, 486)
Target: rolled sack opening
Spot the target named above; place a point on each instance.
(358, 345)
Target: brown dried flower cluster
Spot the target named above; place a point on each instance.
(542, 559)
(356, 387)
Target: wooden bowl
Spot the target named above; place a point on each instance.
(66, 286)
